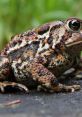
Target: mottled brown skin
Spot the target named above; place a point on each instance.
(40, 56)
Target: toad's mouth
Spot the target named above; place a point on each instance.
(74, 40)
(74, 43)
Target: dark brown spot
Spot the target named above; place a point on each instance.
(50, 40)
(19, 41)
(66, 36)
(30, 33)
(36, 37)
(55, 27)
(14, 43)
(57, 46)
(43, 29)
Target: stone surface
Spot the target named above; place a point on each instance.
(40, 104)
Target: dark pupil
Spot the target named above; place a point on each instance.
(74, 25)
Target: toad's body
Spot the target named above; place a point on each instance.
(40, 56)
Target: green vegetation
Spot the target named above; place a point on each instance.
(17, 16)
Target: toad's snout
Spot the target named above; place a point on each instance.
(75, 39)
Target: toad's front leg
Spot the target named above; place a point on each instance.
(6, 76)
(47, 81)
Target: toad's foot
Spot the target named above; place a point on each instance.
(4, 85)
(78, 75)
(65, 88)
(59, 88)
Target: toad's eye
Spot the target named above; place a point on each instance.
(74, 25)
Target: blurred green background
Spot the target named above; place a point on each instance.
(17, 16)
